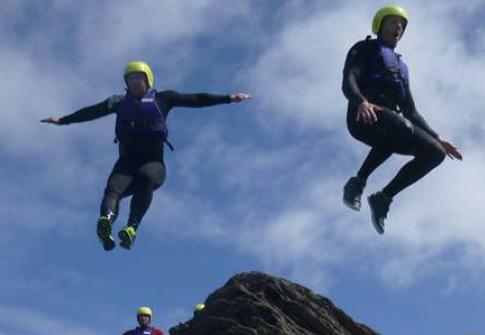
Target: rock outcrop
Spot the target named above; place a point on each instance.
(254, 303)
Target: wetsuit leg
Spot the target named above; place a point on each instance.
(118, 183)
(377, 136)
(392, 133)
(374, 159)
(428, 154)
(150, 176)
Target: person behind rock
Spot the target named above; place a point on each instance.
(382, 114)
(198, 309)
(141, 132)
(144, 318)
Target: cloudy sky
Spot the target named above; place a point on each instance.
(252, 186)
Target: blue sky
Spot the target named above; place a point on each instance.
(252, 186)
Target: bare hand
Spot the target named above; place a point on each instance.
(52, 120)
(238, 97)
(450, 149)
(367, 112)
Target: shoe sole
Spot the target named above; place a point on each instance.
(350, 205)
(375, 222)
(125, 241)
(104, 234)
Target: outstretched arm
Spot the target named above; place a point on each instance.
(174, 99)
(82, 115)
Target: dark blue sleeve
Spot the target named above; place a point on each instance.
(92, 112)
(176, 99)
(410, 112)
(355, 64)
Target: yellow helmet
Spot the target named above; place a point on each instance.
(386, 11)
(199, 307)
(139, 66)
(144, 311)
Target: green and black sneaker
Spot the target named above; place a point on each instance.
(127, 237)
(104, 233)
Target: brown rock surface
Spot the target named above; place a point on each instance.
(254, 303)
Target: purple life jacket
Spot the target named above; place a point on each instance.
(387, 77)
(140, 116)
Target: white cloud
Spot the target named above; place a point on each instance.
(299, 73)
(161, 31)
(279, 203)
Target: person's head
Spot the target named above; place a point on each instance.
(144, 316)
(198, 308)
(389, 24)
(138, 78)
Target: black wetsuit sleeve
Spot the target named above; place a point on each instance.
(353, 70)
(88, 113)
(410, 112)
(176, 99)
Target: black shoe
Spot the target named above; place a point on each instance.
(352, 192)
(379, 206)
(104, 233)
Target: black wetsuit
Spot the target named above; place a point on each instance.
(399, 129)
(139, 169)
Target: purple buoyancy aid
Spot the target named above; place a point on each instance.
(140, 115)
(387, 77)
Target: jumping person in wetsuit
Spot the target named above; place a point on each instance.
(381, 113)
(141, 133)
